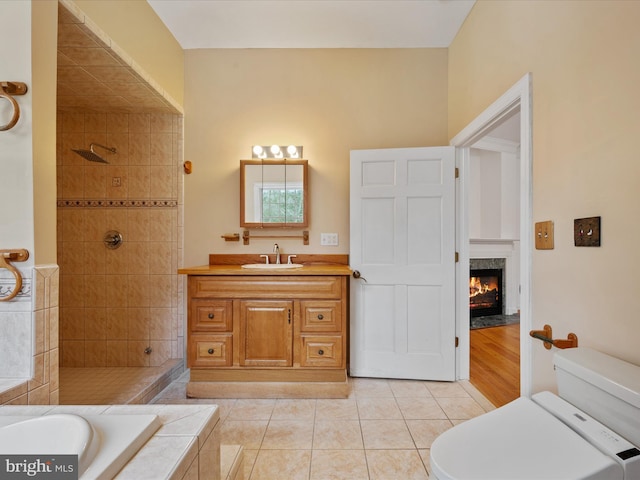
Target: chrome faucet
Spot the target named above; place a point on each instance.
(276, 250)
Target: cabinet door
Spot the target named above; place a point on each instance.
(266, 333)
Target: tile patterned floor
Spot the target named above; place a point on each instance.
(383, 431)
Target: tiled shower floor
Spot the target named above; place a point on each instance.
(116, 385)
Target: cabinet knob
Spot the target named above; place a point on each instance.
(211, 315)
(320, 316)
(210, 351)
(320, 352)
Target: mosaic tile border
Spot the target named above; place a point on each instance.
(8, 284)
(117, 203)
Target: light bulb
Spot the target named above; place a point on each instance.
(257, 150)
(275, 149)
(292, 150)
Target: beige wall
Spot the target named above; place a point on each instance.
(43, 64)
(329, 101)
(136, 28)
(584, 61)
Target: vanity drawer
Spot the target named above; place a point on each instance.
(266, 286)
(210, 350)
(321, 316)
(211, 315)
(321, 351)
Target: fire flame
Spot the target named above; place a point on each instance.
(476, 287)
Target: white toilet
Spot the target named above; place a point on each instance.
(590, 431)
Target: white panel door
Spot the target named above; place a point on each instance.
(402, 245)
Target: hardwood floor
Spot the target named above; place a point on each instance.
(495, 363)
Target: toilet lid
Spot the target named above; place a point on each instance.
(518, 441)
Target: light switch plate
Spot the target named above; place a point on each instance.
(329, 239)
(544, 235)
(586, 232)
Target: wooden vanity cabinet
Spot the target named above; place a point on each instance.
(275, 327)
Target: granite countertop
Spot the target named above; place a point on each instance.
(320, 269)
(170, 452)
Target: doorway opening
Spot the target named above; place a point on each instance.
(507, 235)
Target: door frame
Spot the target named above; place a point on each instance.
(517, 97)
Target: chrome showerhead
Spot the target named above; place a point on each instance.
(93, 156)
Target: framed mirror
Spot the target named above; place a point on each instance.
(274, 193)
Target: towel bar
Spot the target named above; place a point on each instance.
(6, 257)
(7, 90)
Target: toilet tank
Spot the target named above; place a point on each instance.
(602, 386)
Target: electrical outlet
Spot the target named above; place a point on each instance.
(330, 239)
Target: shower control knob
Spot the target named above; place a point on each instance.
(210, 351)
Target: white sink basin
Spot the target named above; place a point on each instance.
(272, 266)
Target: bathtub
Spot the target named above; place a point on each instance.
(103, 443)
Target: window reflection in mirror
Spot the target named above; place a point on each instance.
(273, 193)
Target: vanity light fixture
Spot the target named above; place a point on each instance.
(276, 151)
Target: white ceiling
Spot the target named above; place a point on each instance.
(313, 23)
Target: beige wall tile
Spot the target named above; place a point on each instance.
(39, 396)
(161, 149)
(95, 324)
(73, 353)
(95, 354)
(95, 122)
(117, 323)
(39, 331)
(73, 123)
(139, 123)
(117, 290)
(161, 352)
(117, 123)
(117, 353)
(138, 292)
(94, 181)
(135, 355)
(138, 324)
(72, 325)
(95, 291)
(161, 123)
(97, 282)
(139, 149)
(139, 182)
(161, 178)
(138, 254)
(139, 222)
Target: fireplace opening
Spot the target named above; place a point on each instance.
(485, 292)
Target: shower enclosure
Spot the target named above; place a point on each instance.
(120, 302)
